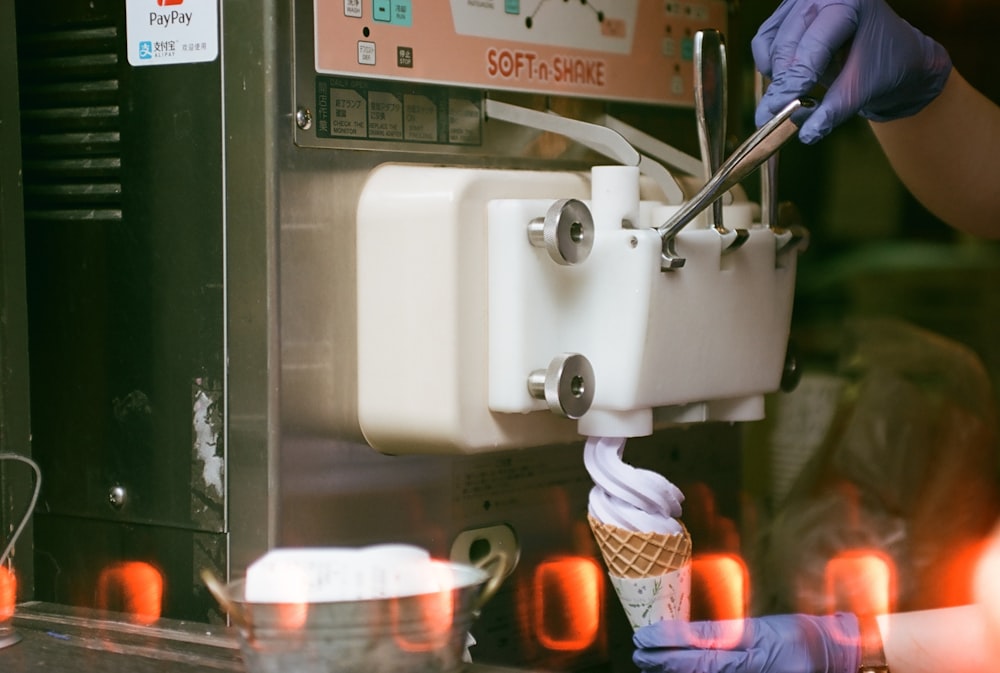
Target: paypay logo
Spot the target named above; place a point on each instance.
(173, 17)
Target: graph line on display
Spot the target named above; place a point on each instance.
(529, 21)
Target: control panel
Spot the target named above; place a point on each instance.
(630, 50)
(414, 74)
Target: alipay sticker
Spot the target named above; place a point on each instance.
(164, 32)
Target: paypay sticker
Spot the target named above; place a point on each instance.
(165, 32)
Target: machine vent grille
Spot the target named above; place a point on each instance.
(69, 92)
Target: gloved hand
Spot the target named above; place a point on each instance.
(773, 644)
(871, 61)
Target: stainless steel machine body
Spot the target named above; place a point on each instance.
(192, 315)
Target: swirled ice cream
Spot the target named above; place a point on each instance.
(626, 496)
(633, 515)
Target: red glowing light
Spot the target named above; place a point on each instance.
(8, 593)
(953, 583)
(719, 587)
(987, 581)
(132, 587)
(567, 603)
(862, 581)
(423, 623)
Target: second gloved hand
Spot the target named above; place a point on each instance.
(871, 61)
(773, 644)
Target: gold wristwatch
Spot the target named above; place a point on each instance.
(872, 653)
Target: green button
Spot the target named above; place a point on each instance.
(402, 13)
(687, 48)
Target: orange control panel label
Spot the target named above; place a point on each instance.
(629, 50)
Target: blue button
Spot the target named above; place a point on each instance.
(382, 10)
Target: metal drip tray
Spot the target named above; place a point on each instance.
(53, 638)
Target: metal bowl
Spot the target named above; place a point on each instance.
(404, 634)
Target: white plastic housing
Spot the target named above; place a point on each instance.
(456, 308)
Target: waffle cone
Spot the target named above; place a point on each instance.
(632, 554)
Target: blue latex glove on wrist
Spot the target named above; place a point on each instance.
(871, 61)
(773, 644)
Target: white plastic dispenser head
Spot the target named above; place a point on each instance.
(502, 331)
(615, 197)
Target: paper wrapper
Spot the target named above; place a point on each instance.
(650, 572)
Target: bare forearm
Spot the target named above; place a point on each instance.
(948, 156)
(956, 640)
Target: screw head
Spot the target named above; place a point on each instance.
(303, 118)
(117, 496)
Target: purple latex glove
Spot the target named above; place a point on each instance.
(773, 644)
(871, 61)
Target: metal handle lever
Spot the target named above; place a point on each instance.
(601, 139)
(710, 103)
(769, 173)
(789, 238)
(748, 156)
(655, 148)
(598, 138)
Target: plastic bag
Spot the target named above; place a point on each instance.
(907, 473)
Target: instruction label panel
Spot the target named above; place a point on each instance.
(380, 110)
(632, 50)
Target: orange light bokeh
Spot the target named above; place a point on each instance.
(424, 622)
(292, 616)
(8, 593)
(953, 583)
(132, 587)
(986, 581)
(568, 595)
(862, 581)
(720, 586)
(720, 590)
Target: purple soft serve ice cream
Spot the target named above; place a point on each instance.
(626, 496)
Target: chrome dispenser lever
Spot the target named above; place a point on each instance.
(711, 105)
(791, 237)
(768, 174)
(747, 157)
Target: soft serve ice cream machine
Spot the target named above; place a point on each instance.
(507, 306)
(472, 234)
(530, 259)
